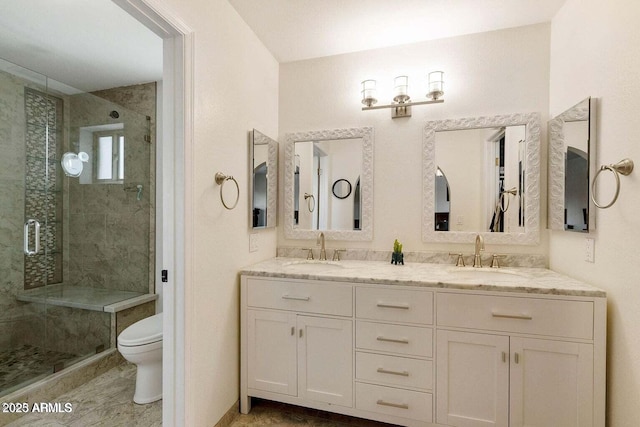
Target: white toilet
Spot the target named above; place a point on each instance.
(141, 343)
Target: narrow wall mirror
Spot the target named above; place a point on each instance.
(571, 164)
(314, 162)
(481, 175)
(263, 182)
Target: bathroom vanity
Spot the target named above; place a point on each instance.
(424, 344)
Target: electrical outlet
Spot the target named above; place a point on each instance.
(253, 242)
(459, 220)
(590, 250)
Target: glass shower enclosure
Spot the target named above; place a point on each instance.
(76, 205)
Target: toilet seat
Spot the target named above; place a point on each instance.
(146, 331)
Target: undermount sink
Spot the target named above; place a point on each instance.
(311, 266)
(485, 273)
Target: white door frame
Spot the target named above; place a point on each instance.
(173, 193)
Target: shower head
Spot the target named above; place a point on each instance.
(114, 114)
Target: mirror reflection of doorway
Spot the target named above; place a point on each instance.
(576, 197)
(260, 195)
(357, 206)
(443, 202)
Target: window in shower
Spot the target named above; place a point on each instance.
(109, 157)
(105, 146)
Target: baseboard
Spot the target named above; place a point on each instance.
(230, 416)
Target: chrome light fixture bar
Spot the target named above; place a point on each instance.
(401, 105)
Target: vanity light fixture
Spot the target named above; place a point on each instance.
(401, 105)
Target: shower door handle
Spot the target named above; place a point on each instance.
(27, 228)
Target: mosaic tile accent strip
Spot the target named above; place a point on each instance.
(43, 182)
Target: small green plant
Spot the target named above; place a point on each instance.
(397, 257)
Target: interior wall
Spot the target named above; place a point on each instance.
(500, 72)
(467, 206)
(593, 54)
(235, 82)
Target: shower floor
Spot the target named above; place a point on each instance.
(24, 364)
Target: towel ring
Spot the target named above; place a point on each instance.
(504, 195)
(220, 180)
(310, 198)
(624, 167)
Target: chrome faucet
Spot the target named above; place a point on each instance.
(477, 260)
(323, 252)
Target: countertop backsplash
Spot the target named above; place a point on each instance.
(507, 260)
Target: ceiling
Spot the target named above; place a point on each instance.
(101, 46)
(88, 45)
(301, 29)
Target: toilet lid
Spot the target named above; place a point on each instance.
(142, 332)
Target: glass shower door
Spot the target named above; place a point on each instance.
(30, 206)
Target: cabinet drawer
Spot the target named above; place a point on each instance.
(397, 305)
(308, 297)
(394, 370)
(408, 340)
(561, 318)
(414, 405)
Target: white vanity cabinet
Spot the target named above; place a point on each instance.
(427, 355)
(519, 361)
(291, 349)
(394, 352)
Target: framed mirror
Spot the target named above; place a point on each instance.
(314, 162)
(492, 189)
(572, 163)
(263, 182)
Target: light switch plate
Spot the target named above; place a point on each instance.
(590, 250)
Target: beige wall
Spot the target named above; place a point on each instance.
(594, 53)
(235, 90)
(499, 72)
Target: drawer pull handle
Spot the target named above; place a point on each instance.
(400, 341)
(512, 316)
(293, 297)
(385, 371)
(400, 306)
(393, 405)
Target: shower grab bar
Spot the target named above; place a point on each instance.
(27, 237)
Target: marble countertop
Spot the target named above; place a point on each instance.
(511, 279)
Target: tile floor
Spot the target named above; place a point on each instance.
(106, 401)
(26, 363)
(266, 413)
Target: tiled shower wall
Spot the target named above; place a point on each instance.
(110, 237)
(108, 232)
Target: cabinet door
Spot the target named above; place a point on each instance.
(325, 360)
(271, 351)
(551, 383)
(472, 374)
